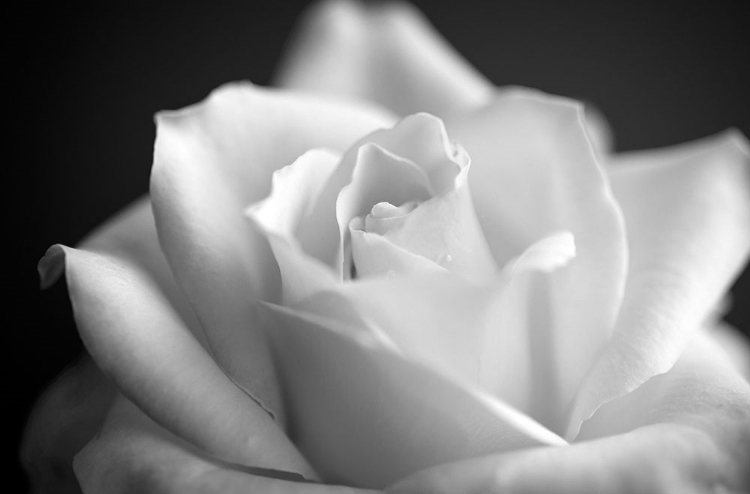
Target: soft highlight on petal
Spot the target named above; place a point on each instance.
(280, 217)
(534, 172)
(386, 53)
(665, 458)
(684, 431)
(688, 215)
(476, 333)
(365, 416)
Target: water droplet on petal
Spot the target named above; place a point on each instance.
(444, 259)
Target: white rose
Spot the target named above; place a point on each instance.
(416, 283)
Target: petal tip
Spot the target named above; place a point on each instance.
(162, 117)
(738, 139)
(51, 266)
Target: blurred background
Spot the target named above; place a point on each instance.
(86, 80)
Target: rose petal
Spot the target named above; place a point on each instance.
(385, 53)
(380, 176)
(443, 229)
(688, 215)
(212, 160)
(134, 454)
(376, 256)
(420, 139)
(365, 416)
(664, 458)
(475, 333)
(64, 418)
(292, 204)
(70, 411)
(131, 237)
(442, 225)
(136, 338)
(421, 146)
(533, 172)
(735, 344)
(295, 191)
(705, 371)
(294, 222)
(684, 431)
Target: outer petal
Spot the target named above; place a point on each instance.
(73, 407)
(131, 237)
(138, 339)
(686, 431)
(688, 215)
(365, 416)
(134, 455)
(63, 420)
(385, 53)
(212, 160)
(534, 171)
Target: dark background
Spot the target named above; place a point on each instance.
(86, 80)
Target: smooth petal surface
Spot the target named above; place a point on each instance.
(131, 236)
(138, 339)
(685, 431)
(365, 416)
(212, 160)
(661, 459)
(476, 333)
(384, 53)
(417, 149)
(292, 204)
(535, 172)
(688, 215)
(376, 256)
(134, 455)
(443, 229)
(419, 140)
(70, 411)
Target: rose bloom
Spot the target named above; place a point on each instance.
(391, 275)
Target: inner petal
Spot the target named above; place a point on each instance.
(443, 230)
(296, 189)
(420, 139)
(378, 175)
